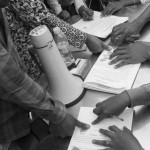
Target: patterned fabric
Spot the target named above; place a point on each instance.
(24, 15)
(19, 94)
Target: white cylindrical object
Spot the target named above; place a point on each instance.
(63, 86)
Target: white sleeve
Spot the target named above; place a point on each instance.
(55, 6)
(78, 4)
(144, 1)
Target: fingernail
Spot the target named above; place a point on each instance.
(93, 141)
(100, 130)
(115, 67)
(87, 126)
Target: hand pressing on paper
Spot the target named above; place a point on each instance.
(67, 127)
(137, 52)
(86, 13)
(119, 139)
(124, 31)
(112, 7)
(112, 106)
(95, 45)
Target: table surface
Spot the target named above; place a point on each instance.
(142, 113)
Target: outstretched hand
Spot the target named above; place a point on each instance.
(67, 127)
(137, 52)
(112, 106)
(95, 45)
(119, 139)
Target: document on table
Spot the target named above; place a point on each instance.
(82, 139)
(104, 77)
(99, 26)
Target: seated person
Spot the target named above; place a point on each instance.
(80, 7)
(129, 31)
(121, 140)
(24, 15)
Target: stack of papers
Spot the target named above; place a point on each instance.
(82, 139)
(104, 77)
(99, 26)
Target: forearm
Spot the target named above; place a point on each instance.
(16, 87)
(130, 2)
(37, 14)
(143, 18)
(140, 96)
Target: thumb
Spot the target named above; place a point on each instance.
(105, 47)
(125, 129)
(82, 125)
(90, 12)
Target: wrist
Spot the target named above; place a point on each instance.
(138, 24)
(126, 98)
(127, 2)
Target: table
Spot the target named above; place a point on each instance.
(141, 122)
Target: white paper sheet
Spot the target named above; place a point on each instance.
(82, 140)
(99, 26)
(104, 77)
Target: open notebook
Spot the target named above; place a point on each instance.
(99, 26)
(82, 139)
(103, 77)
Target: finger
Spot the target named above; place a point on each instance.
(98, 110)
(90, 18)
(113, 10)
(114, 128)
(117, 27)
(129, 39)
(122, 63)
(82, 125)
(102, 142)
(109, 9)
(121, 39)
(118, 52)
(125, 129)
(99, 118)
(104, 46)
(135, 35)
(118, 58)
(132, 38)
(98, 104)
(107, 133)
(90, 12)
(104, 11)
(85, 16)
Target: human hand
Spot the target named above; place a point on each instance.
(112, 7)
(112, 106)
(64, 15)
(67, 127)
(95, 45)
(86, 13)
(137, 52)
(119, 139)
(123, 31)
(73, 19)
